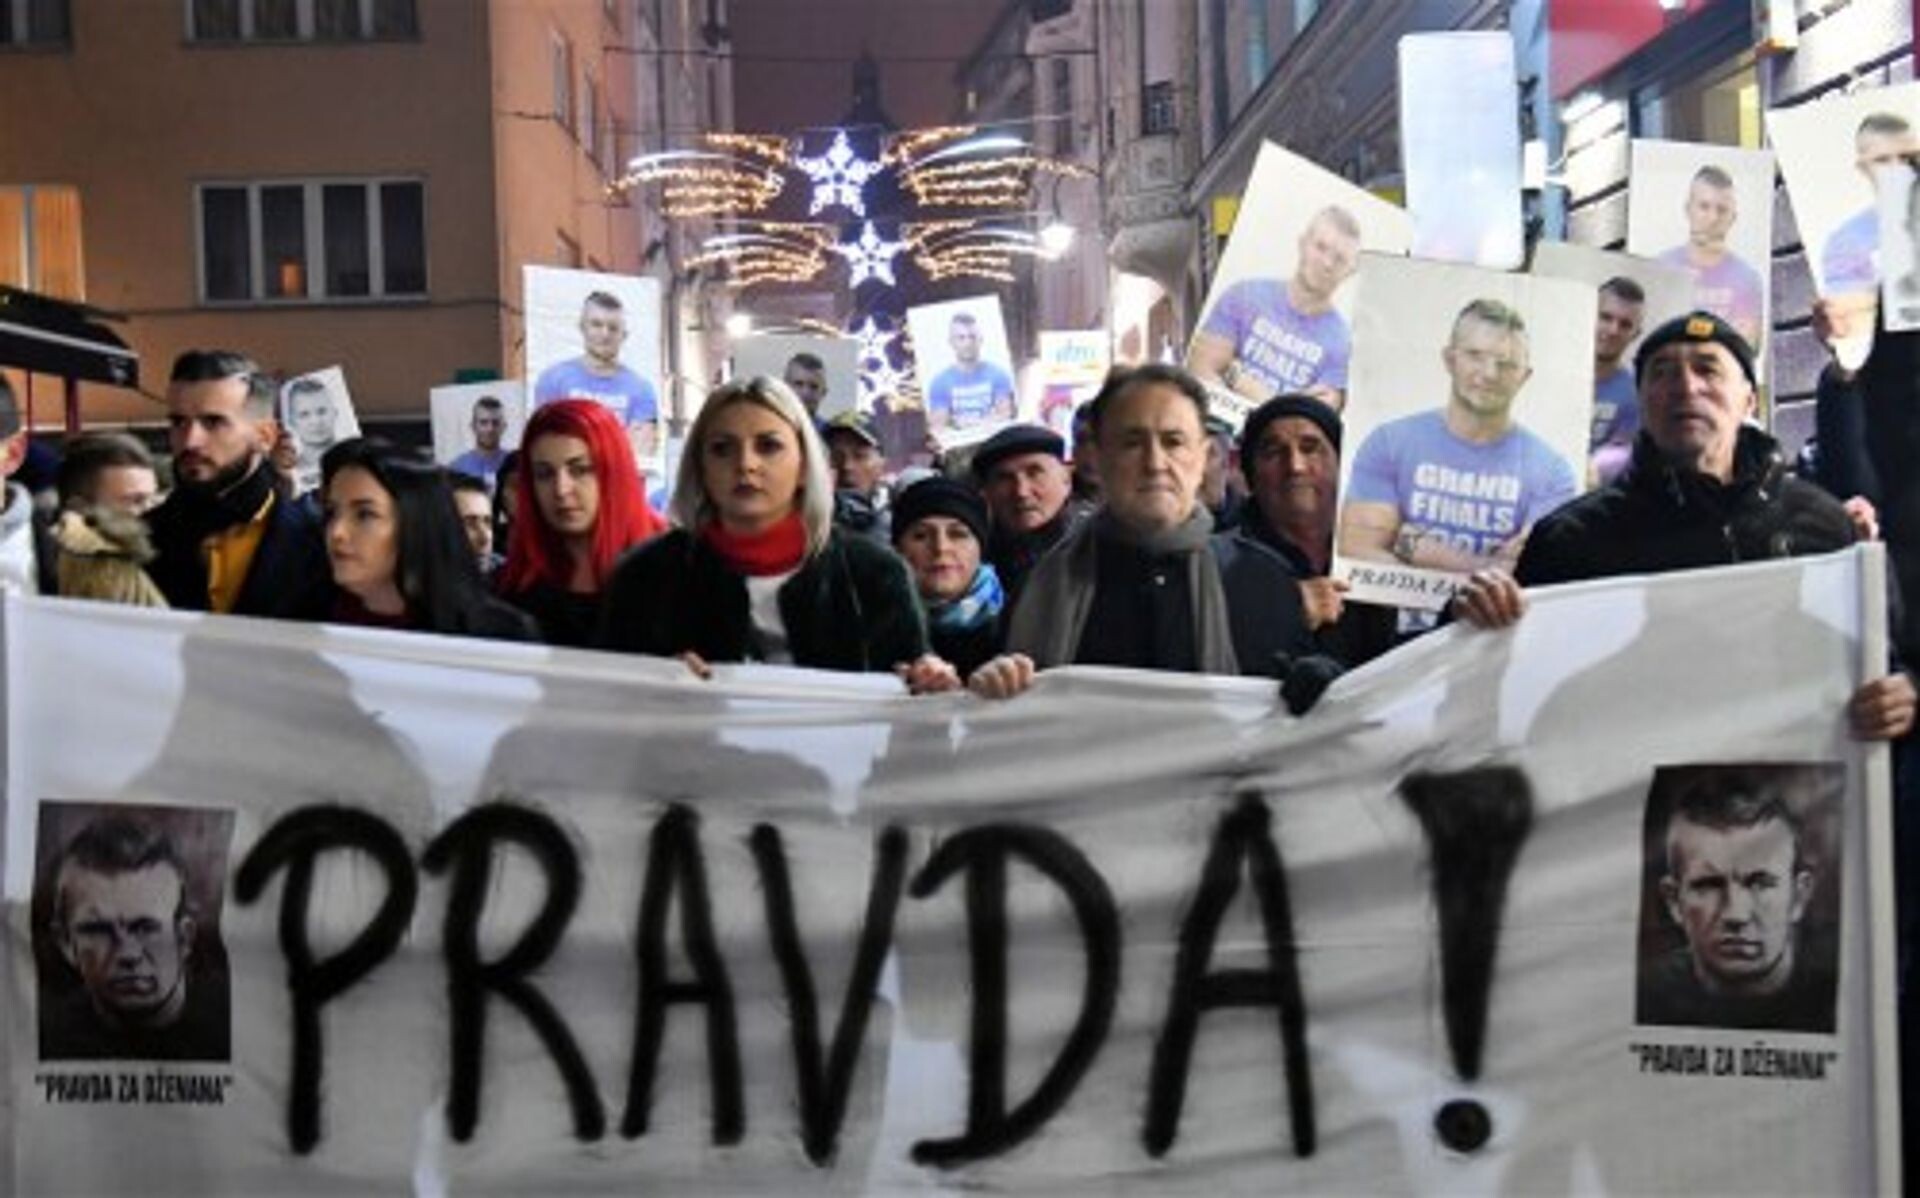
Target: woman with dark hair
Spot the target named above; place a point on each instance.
(579, 505)
(505, 500)
(756, 570)
(398, 554)
(940, 527)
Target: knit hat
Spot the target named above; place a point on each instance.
(939, 496)
(1695, 327)
(1306, 407)
(1011, 442)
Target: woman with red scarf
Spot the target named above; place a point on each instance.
(580, 505)
(756, 571)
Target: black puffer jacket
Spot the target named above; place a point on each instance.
(1655, 519)
(850, 607)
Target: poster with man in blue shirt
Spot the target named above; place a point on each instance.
(972, 391)
(595, 336)
(1436, 494)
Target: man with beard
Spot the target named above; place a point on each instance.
(226, 539)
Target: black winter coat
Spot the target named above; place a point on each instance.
(850, 607)
(1655, 519)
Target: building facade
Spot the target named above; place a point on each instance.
(320, 182)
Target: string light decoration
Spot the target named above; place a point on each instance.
(768, 252)
(870, 256)
(878, 375)
(742, 173)
(839, 176)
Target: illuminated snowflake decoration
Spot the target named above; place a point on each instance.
(877, 375)
(871, 257)
(839, 176)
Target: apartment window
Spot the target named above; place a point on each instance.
(40, 241)
(34, 23)
(590, 117)
(562, 53)
(299, 20)
(1156, 108)
(305, 240)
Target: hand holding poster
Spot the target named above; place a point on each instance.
(318, 411)
(596, 337)
(1432, 493)
(496, 919)
(1277, 318)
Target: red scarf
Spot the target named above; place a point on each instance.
(778, 550)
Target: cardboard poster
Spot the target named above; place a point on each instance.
(1471, 408)
(1900, 240)
(476, 425)
(1708, 210)
(1278, 317)
(318, 410)
(596, 337)
(823, 371)
(1071, 368)
(965, 368)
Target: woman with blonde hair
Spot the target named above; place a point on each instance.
(756, 570)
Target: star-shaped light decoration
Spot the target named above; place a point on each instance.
(839, 176)
(877, 374)
(871, 257)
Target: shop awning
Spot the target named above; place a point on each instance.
(49, 336)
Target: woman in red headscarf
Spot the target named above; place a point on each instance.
(581, 504)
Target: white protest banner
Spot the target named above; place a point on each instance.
(403, 911)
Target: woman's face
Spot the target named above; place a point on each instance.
(363, 535)
(750, 466)
(566, 488)
(944, 555)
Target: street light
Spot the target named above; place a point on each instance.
(739, 324)
(1056, 239)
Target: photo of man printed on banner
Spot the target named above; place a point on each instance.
(1631, 296)
(1740, 900)
(317, 410)
(1278, 316)
(823, 371)
(965, 368)
(476, 425)
(1469, 415)
(1708, 210)
(128, 957)
(1900, 237)
(596, 337)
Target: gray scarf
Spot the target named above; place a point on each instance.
(1052, 613)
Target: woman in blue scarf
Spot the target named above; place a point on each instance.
(939, 526)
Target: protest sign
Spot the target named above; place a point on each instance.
(503, 919)
(1472, 399)
(1072, 367)
(965, 367)
(475, 425)
(805, 362)
(596, 337)
(1278, 317)
(318, 410)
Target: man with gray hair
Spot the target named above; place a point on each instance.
(26, 548)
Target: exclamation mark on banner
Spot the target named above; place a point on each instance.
(1475, 821)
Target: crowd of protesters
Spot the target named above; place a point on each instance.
(1162, 542)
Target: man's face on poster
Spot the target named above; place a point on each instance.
(127, 938)
(603, 331)
(1873, 149)
(489, 425)
(1488, 365)
(1616, 326)
(964, 337)
(1711, 210)
(1328, 258)
(313, 418)
(1737, 894)
(808, 384)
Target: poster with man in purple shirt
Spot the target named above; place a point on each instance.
(1278, 317)
(1432, 494)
